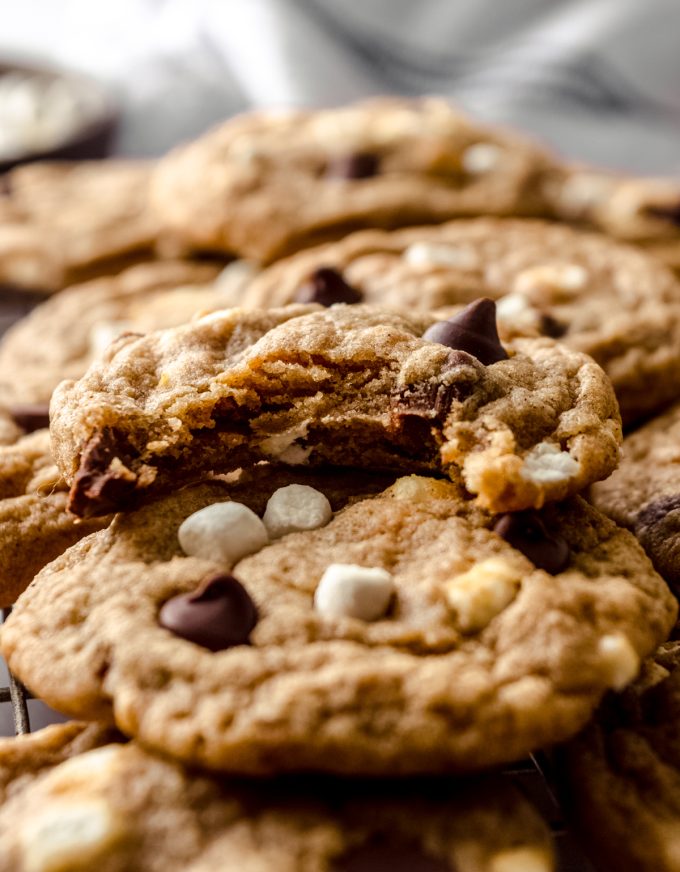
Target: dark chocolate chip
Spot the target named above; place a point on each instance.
(526, 532)
(473, 330)
(98, 489)
(359, 165)
(550, 326)
(219, 614)
(665, 213)
(433, 399)
(388, 855)
(327, 286)
(31, 416)
(657, 527)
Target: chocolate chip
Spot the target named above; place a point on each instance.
(526, 532)
(432, 399)
(550, 326)
(381, 854)
(657, 527)
(31, 417)
(665, 213)
(358, 165)
(98, 488)
(473, 330)
(218, 615)
(327, 286)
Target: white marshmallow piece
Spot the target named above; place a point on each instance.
(296, 507)
(546, 463)
(223, 533)
(480, 158)
(350, 591)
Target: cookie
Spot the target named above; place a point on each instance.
(62, 336)
(638, 209)
(25, 758)
(120, 808)
(595, 295)
(266, 184)
(35, 526)
(252, 627)
(357, 385)
(621, 776)
(644, 493)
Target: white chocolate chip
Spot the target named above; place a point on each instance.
(620, 659)
(283, 445)
(516, 311)
(481, 158)
(521, 860)
(104, 333)
(428, 254)
(85, 769)
(223, 533)
(582, 193)
(351, 591)
(68, 836)
(551, 282)
(481, 593)
(420, 489)
(546, 463)
(296, 507)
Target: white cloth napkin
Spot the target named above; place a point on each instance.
(598, 79)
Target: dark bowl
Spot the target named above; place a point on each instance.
(93, 139)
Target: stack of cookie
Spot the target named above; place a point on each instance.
(309, 563)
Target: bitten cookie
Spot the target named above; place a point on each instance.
(266, 184)
(644, 493)
(119, 808)
(621, 776)
(610, 300)
(261, 627)
(523, 423)
(60, 338)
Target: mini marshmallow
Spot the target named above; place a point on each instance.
(428, 254)
(481, 158)
(546, 463)
(223, 533)
(296, 507)
(350, 591)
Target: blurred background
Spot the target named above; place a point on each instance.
(597, 79)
